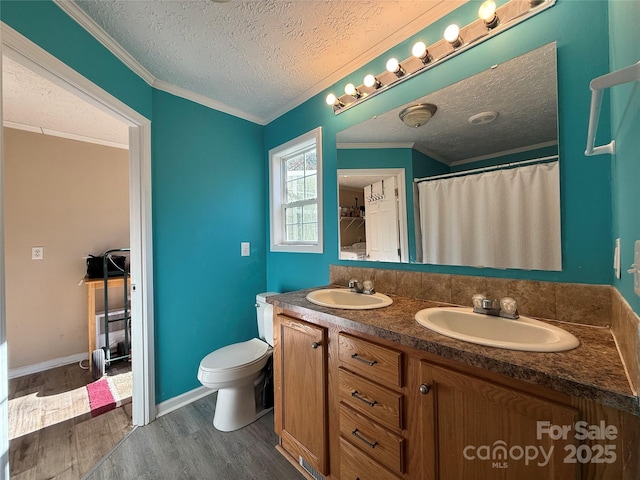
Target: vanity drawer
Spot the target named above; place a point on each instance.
(355, 465)
(374, 440)
(379, 403)
(373, 361)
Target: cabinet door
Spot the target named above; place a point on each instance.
(479, 430)
(300, 369)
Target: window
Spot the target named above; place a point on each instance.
(295, 176)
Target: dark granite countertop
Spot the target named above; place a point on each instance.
(593, 370)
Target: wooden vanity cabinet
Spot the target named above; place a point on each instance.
(300, 394)
(474, 428)
(358, 407)
(370, 380)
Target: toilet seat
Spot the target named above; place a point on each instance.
(234, 361)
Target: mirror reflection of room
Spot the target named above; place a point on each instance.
(482, 159)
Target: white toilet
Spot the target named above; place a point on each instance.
(236, 372)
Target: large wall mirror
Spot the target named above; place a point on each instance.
(470, 176)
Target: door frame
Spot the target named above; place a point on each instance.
(20, 49)
(399, 173)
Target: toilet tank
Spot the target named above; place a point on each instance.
(264, 317)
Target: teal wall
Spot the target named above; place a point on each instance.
(624, 21)
(580, 30)
(208, 192)
(208, 195)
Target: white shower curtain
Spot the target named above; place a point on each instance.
(506, 218)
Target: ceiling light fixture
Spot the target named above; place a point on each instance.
(420, 51)
(393, 66)
(417, 115)
(370, 81)
(334, 101)
(491, 20)
(452, 35)
(350, 89)
(487, 13)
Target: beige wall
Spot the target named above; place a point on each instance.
(72, 198)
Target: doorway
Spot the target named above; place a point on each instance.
(23, 51)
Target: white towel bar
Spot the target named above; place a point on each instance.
(597, 85)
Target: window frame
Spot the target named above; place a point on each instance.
(277, 156)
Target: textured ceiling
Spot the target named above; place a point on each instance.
(253, 59)
(31, 102)
(258, 58)
(523, 91)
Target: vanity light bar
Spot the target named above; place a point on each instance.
(492, 20)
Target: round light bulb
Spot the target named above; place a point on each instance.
(370, 81)
(393, 65)
(452, 33)
(350, 89)
(419, 50)
(487, 11)
(331, 99)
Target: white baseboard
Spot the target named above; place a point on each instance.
(48, 365)
(181, 400)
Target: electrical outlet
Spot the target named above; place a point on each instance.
(245, 249)
(37, 253)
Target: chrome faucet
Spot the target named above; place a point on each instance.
(506, 307)
(366, 287)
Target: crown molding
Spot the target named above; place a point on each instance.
(360, 146)
(86, 22)
(206, 101)
(95, 30)
(504, 153)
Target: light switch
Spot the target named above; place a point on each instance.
(245, 249)
(616, 258)
(636, 266)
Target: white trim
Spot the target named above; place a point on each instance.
(4, 357)
(206, 101)
(49, 364)
(186, 398)
(68, 136)
(413, 27)
(373, 146)
(29, 54)
(400, 175)
(505, 152)
(97, 32)
(276, 185)
(143, 361)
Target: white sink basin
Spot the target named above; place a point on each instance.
(524, 333)
(346, 299)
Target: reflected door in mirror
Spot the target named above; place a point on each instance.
(381, 213)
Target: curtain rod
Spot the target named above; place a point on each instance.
(548, 159)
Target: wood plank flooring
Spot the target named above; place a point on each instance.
(184, 445)
(52, 434)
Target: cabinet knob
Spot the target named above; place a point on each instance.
(424, 389)
(315, 345)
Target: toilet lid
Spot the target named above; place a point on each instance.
(236, 355)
